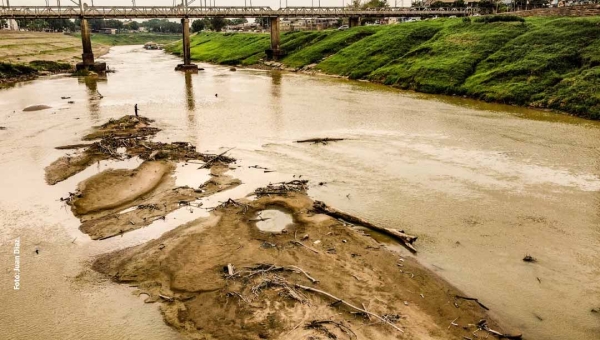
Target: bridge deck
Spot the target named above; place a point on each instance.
(129, 12)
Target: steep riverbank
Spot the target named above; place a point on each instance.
(27, 55)
(541, 62)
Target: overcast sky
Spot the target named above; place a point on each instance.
(271, 3)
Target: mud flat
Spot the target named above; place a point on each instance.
(221, 277)
(116, 201)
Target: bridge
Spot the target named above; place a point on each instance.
(185, 12)
(148, 12)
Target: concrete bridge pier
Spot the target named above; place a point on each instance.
(87, 58)
(186, 49)
(274, 52)
(353, 21)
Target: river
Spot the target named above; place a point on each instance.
(482, 185)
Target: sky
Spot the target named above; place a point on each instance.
(270, 3)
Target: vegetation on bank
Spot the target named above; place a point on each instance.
(19, 71)
(132, 38)
(543, 62)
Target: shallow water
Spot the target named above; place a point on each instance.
(273, 220)
(482, 185)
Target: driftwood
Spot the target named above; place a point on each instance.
(320, 140)
(168, 298)
(74, 146)
(282, 188)
(484, 326)
(305, 246)
(407, 240)
(346, 303)
(214, 159)
(471, 299)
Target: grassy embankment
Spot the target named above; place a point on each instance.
(544, 62)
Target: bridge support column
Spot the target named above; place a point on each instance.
(353, 21)
(186, 49)
(87, 58)
(274, 52)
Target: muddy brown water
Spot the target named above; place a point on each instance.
(482, 185)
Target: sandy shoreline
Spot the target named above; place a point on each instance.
(258, 284)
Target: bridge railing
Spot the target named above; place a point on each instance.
(375, 12)
(122, 12)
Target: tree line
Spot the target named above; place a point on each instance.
(153, 25)
(215, 24)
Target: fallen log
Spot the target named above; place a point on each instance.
(320, 140)
(482, 324)
(407, 240)
(74, 146)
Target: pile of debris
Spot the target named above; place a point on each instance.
(282, 188)
(121, 139)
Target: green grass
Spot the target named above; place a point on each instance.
(543, 62)
(324, 44)
(391, 42)
(227, 48)
(9, 70)
(442, 64)
(553, 65)
(133, 38)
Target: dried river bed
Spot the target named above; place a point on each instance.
(481, 185)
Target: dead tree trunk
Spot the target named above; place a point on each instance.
(407, 240)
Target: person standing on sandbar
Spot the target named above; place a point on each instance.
(136, 110)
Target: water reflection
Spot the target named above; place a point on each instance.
(94, 96)
(189, 92)
(191, 106)
(276, 99)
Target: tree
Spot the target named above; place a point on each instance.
(375, 4)
(263, 22)
(61, 24)
(487, 6)
(112, 23)
(134, 26)
(37, 25)
(355, 4)
(459, 3)
(162, 26)
(198, 25)
(238, 21)
(217, 23)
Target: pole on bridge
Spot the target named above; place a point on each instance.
(274, 52)
(186, 49)
(87, 58)
(86, 40)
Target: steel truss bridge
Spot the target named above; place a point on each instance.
(132, 12)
